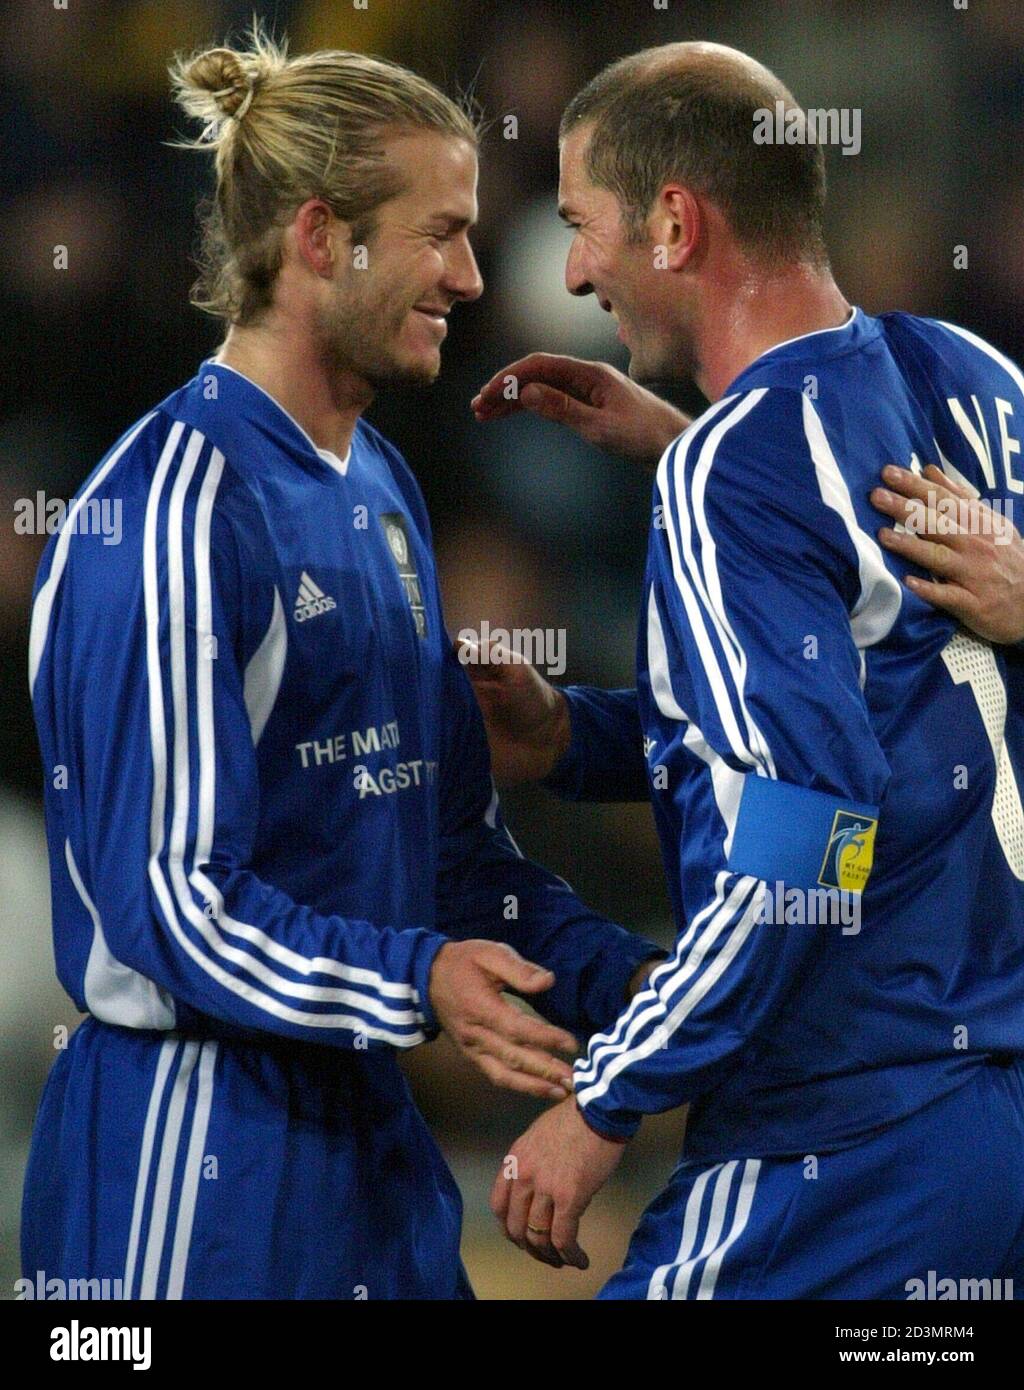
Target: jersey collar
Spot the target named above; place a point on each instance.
(263, 405)
(822, 344)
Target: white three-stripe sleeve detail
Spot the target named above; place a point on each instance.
(726, 782)
(710, 590)
(653, 1017)
(207, 797)
(661, 1034)
(727, 785)
(684, 578)
(646, 1003)
(652, 1027)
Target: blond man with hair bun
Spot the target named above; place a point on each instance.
(279, 858)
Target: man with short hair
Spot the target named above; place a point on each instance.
(812, 732)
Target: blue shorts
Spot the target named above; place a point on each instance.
(937, 1196)
(205, 1168)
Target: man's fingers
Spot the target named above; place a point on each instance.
(519, 1220)
(503, 394)
(934, 474)
(518, 1212)
(538, 1231)
(555, 369)
(564, 1228)
(488, 660)
(921, 485)
(519, 1027)
(893, 504)
(501, 1193)
(508, 1079)
(475, 660)
(921, 518)
(512, 1036)
(507, 965)
(500, 395)
(930, 555)
(558, 406)
(493, 407)
(953, 599)
(529, 1061)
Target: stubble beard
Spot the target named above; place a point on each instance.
(355, 342)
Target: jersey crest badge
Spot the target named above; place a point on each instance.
(401, 552)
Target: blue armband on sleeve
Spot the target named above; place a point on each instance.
(802, 838)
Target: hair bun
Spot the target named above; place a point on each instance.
(214, 85)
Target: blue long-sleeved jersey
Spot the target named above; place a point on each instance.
(820, 745)
(268, 797)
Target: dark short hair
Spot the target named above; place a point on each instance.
(658, 122)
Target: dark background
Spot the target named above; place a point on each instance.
(532, 529)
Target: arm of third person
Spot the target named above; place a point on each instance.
(974, 554)
(583, 743)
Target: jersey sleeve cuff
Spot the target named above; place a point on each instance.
(566, 778)
(619, 1130)
(424, 953)
(611, 984)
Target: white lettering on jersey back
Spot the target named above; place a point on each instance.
(976, 438)
(1008, 444)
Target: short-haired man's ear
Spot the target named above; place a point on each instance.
(677, 222)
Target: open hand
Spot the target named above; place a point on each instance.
(975, 554)
(511, 1048)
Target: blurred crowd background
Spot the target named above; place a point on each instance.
(532, 530)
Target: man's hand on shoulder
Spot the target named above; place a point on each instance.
(974, 553)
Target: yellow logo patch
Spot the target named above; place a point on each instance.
(850, 853)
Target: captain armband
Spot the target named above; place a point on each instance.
(802, 838)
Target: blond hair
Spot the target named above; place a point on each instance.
(283, 130)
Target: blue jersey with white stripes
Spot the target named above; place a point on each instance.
(836, 769)
(268, 797)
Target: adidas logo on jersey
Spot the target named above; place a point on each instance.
(311, 600)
